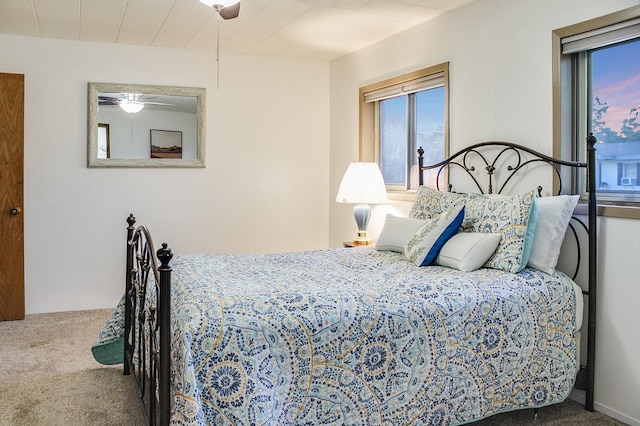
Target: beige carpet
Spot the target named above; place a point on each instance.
(48, 377)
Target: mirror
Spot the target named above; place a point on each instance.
(145, 126)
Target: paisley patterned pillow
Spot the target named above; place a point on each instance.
(510, 216)
(425, 245)
(431, 203)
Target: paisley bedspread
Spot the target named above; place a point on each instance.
(361, 337)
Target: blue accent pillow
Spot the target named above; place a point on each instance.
(425, 245)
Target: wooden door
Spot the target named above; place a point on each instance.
(11, 196)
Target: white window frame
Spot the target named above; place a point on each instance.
(406, 83)
(570, 120)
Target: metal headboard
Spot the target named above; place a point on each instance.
(512, 159)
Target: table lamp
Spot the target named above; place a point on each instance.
(362, 185)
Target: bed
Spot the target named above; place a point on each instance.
(420, 330)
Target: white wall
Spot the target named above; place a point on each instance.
(264, 187)
(500, 71)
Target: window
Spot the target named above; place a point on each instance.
(597, 90)
(628, 174)
(400, 115)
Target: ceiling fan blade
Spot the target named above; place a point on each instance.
(108, 100)
(158, 103)
(230, 12)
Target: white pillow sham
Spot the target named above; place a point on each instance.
(554, 214)
(397, 231)
(468, 251)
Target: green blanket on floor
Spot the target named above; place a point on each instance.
(109, 348)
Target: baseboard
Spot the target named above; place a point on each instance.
(580, 397)
(615, 414)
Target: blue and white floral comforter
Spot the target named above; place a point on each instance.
(361, 337)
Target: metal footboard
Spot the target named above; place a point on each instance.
(147, 344)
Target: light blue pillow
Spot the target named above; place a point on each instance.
(425, 245)
(532, 225)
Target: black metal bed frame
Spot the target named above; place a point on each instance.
(148, 354)
(147, 343)
(512, 158)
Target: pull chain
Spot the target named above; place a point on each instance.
(217, 49)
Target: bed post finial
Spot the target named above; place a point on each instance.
(131, 220)
(165, 255)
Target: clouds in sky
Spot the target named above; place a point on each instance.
(616, 81)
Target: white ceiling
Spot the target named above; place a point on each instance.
(306, 29)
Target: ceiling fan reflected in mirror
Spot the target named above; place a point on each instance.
(129, 102)
(225, 9)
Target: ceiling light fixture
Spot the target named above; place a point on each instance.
(131, 103)
(219, 4)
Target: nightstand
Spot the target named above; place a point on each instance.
(350, 244)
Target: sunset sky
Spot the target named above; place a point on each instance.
(616, 80)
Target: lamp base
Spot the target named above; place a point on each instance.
(362, 238)
(361, 213)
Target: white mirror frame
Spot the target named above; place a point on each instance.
(94, 89)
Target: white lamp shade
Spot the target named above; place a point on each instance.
(220, 3)
(362, 183)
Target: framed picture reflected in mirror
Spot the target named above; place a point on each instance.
(166, 143)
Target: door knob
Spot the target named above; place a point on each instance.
(15, 211)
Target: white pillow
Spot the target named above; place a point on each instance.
(554, 214)
(397, 231)
(468, 251)
(425, 245)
